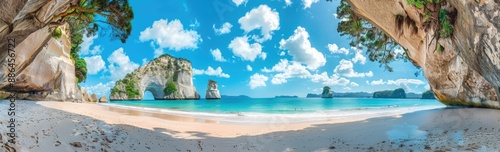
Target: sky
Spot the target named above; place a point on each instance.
(259, 48)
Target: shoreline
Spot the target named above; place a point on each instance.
(62, 126)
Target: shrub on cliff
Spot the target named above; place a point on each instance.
(170, 88)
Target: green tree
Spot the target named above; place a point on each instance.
(80, 69)
(383, 94)
(170, 88)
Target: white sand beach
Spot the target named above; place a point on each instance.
(63, 126)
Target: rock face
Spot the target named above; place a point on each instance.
(103, 99)
(43, 67)
(212, 91)
(166, 77)
(18, 19)
(93, 98)
(327, 93)
(467, 71)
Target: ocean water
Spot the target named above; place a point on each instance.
(293, 109)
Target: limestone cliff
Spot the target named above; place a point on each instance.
(43, 68)
(467, 70)
(327, 93)
(20, 18)
(166, 77)
(212, 91)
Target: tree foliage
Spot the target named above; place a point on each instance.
(398, 93)
(379, 46)
(170, 88)
(80, 69)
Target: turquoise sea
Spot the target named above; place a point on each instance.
(280, 105)
(281, 110)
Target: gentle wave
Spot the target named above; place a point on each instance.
(253, 117)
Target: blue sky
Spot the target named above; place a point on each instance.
(255, 48)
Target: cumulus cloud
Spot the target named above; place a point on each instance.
(335, 49)
(287, 69)
(427, 87)
(246, 51)
(171, 35)
(249, 68)
(87, 43)
(354, 84)
(282, 53)
(262, 18)
(288, 2)
(308, 3)
(257, 80)
(99, 89)
(94, 64)
(224, 29)
(211, 72)
(334, 79)
(217, 55)
(299, 46)
(120, 64)
(144, 61)
(239, 2)
(405, 83)
(377, 82)
(346, 68)
(359, 57)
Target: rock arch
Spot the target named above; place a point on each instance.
(155, 77)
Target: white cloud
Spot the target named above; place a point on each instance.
(335, 49)
(427, 87)
(217, 55)
(144, 61)
(224, 29)
(100, 89)
(286, 71)
(354, 84)
(171, 35)
(405, 83)
(263, 55)
(262, 18)
(282, 53)
(94, 64)
(244, 50)
(299, 46)
(308, 3)
(359, 56)
(377, 82)
(120, 64)
(288, 2)
(158, 52)
(239, 2)
(347, 88)
(87, 43)
(211, 72)
(335, 79)
(196, 24)
(249, 68)
(257, 80)
(346, 68)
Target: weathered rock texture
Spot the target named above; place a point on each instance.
(43, 68)
(327, 93)
(154, 77)
(103, 99)
(467, 72)
(20, 18)
(212, 91)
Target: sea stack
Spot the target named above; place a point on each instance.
(327, 93)
(212, 91)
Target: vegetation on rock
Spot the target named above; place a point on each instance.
(398, 93)
(170, 88)
(130, 87)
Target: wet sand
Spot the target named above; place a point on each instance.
(56, 126)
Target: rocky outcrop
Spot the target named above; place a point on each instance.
(93, 98)
(327, 93)
(43, 68)
(103, 99)
(212, 91)
(467, 71)
(166, 77)
(21, 18)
